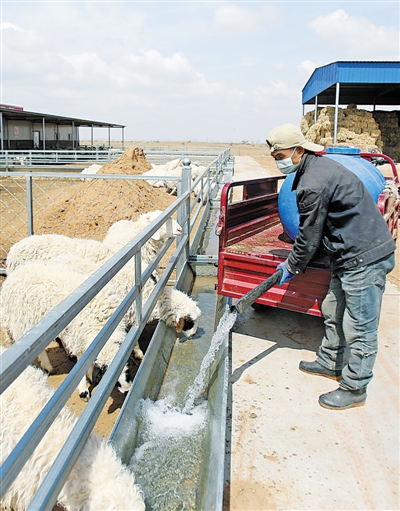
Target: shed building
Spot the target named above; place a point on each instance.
(20, 129)
(358, 83)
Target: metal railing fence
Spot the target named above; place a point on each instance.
(17, 159)
(76, 205)
(21, 354)
(79, 205)
(14, 160)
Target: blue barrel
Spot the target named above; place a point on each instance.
(350, 158)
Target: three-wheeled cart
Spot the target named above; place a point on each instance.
(252, 242)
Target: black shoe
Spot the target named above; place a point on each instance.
(341, 399)
(319, 370)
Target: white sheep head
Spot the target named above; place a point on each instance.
(180, 311)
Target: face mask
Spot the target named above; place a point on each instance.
(287, 166)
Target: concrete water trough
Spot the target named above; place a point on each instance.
(181, 464)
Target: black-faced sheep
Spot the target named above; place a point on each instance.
(31, 291)
(37, 287)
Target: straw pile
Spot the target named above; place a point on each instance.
(357, 128)
(389, 124)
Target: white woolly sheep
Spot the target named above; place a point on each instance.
(39, 286)
(123, 231)
(98, 480)
(48, 246)
(172, 168)
(119, 234)
(197, 170)
(35, 288)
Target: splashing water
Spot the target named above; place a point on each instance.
(225, 324)
(167, 460)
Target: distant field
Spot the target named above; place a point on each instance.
(236, 149)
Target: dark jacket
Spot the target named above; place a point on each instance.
(337, 215)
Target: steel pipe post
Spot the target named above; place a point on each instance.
(335, 129)
(184, 211)
(316, 110)
(29, 204)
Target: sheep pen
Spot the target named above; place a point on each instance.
(87, 210)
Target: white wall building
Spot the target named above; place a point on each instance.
(20, 129)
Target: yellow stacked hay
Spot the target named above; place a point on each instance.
(389, 124)
(357, 128)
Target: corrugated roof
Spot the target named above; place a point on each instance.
(362, 83)
(18, 114)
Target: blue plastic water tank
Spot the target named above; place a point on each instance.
(350, 158)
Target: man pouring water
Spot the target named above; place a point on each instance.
(338, 216)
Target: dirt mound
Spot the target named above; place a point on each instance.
(131, 162)
(87, 208)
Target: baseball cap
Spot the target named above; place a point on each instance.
(286, 136)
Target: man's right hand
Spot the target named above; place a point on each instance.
(287, 275)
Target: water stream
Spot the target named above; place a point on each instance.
(226, 323)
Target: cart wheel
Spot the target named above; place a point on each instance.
(259, 307)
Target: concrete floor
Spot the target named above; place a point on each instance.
(286, 452)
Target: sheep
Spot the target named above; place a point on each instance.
(177, 309)
(68, 256)
(35, 288)
(172, 168)
(47, 246)
(99, 480)
(123, 231)
(39, 286)
(196, 170)
(174, 307)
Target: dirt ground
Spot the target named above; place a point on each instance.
(64, 213)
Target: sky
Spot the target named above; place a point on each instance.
(205, 71)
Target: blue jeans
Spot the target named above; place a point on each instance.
(351, 310)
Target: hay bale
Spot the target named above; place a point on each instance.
(389, 124)
(377, 131)
(355, 128)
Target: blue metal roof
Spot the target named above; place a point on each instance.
(362, 83)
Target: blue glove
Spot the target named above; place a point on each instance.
(287, 275)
